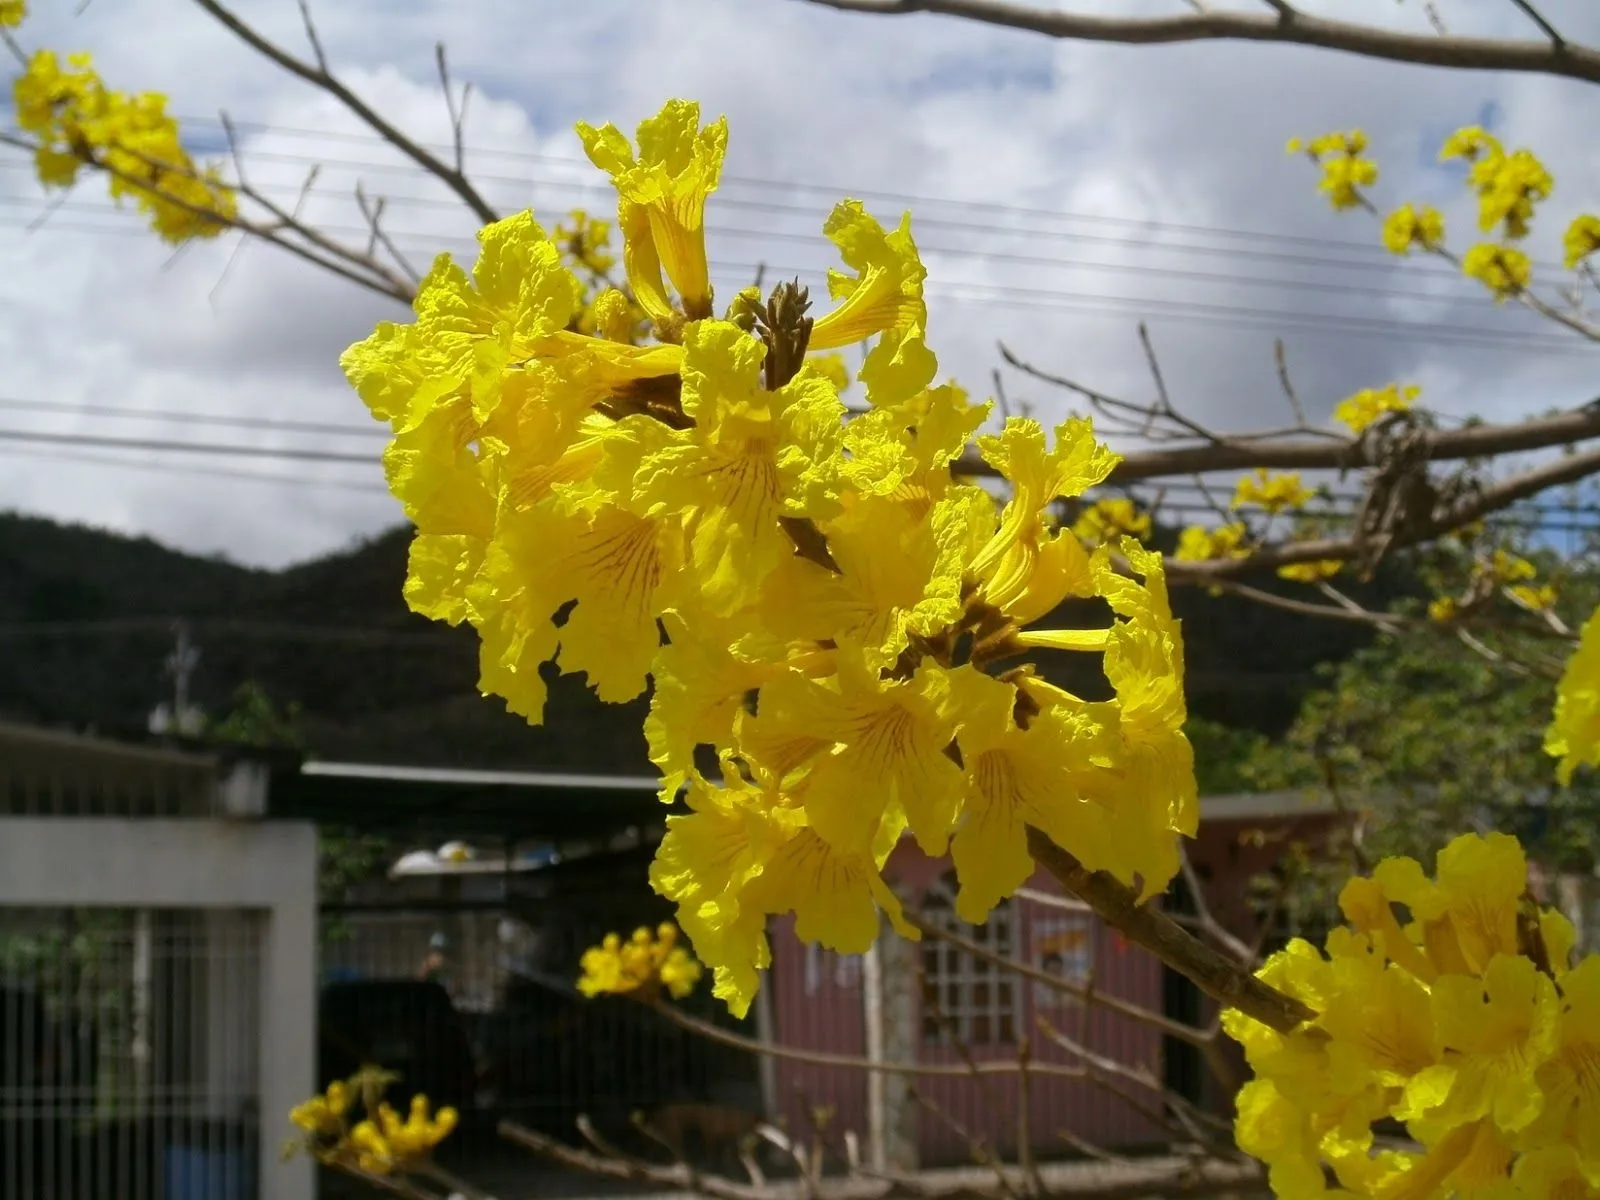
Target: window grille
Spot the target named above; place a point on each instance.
(964, 996)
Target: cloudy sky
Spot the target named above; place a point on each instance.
(1060, 192)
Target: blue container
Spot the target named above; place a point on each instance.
(194, 1174)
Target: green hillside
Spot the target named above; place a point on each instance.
(86, 625)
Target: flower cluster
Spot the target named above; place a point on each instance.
(1574, 733)
(1504, 270)
(77, 121)
(1508, 185)
(641, 966)
(12, 13)
(1409, 226)
(822, 608)
(1314, 571)
(1356, 412)
(383, 1142)
(1499, 573)
(1110, 520)
(1344, 171)
(1274, 493)
(1196, 543)
(1581, 239)
(1461, 1019)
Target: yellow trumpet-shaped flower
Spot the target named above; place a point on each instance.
(1451, 1007)
(882, 299)
(663, 191)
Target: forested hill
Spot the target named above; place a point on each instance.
(86, 625)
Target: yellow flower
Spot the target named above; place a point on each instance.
(1271, 492)
(1508, 186)
(12, 12)
(324, 1115)
(752, 457)
(1109, 519)
(1442, 609)
(1199, 544)
(1581, 239)
(1361, 409)
(586, 241)
(1311, 572)
(704, 863)
(878, 750)
(1344, 170)
(1570, 1080)
(1027, 568)
(77, 120)
(663, 192)
(883, 298)
(1504, 270)
(1496, 1031)
(817, 596)
(900, 572)
(641, 966)
(1574, 733)
(1470, 142)
(1408, 226)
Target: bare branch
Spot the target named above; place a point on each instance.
(311, 34)
(380, 236)
(376, 278)
(458, 117)
(1484, 54)
(1118, 905)
(1088, 995)
(1365, 616)
(1534, 15)
(321, 78)
(1133, 1180)
(1288, 385)
(824, 1058)
(1209, 924)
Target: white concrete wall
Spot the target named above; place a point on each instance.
(213, 864)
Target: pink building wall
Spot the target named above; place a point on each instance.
(818, 1004)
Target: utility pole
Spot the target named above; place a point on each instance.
(179, 665)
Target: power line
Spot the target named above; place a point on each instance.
(791, 186)
(164, 445)
(273, 630)
(166, 468)
(196, 418)
(1097, 304)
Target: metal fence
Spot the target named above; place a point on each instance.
(129, 1062)
(476, 1006)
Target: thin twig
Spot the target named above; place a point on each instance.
(1369, 41)
(1282, 360)
(1534, 15)
(318, 77)
(458, 119)
(1118, 905)
(311, 34)
(823, 1058)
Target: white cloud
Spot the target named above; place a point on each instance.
(920, 106)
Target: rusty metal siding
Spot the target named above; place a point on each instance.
(817, 1005)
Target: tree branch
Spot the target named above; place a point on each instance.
(1118, 905)
(1568, 469)
(1133, 1180)
(823, 1058)
(1238, 453)
(319, 77)
(1482, 54)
